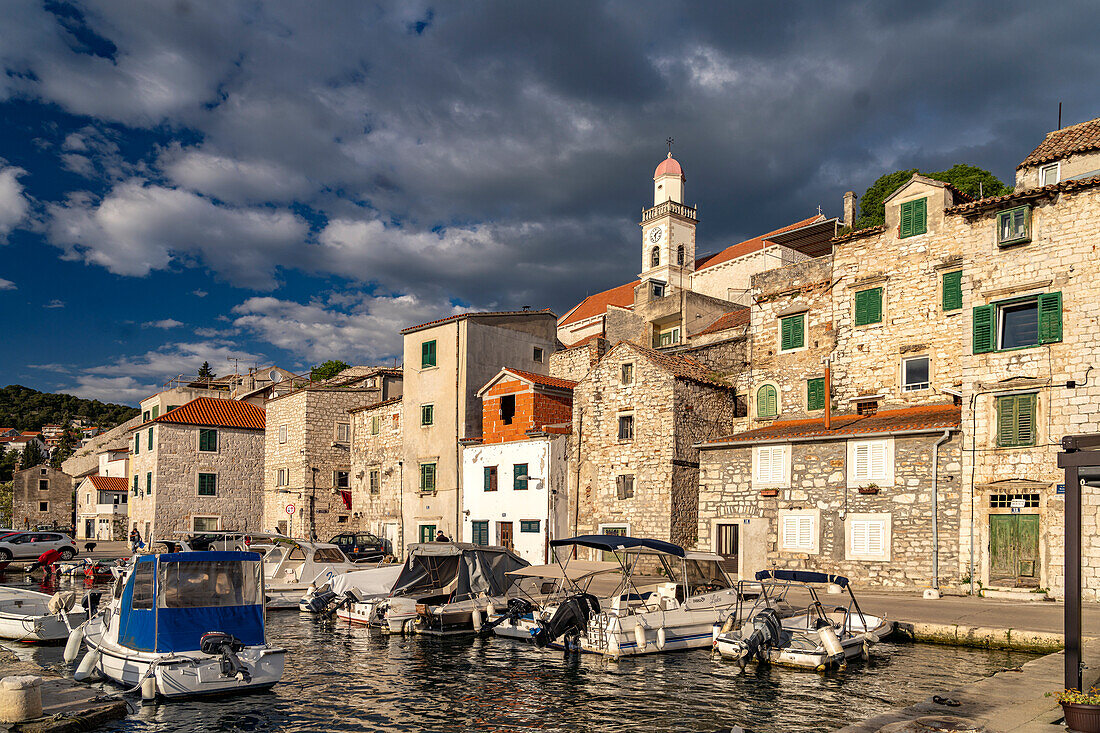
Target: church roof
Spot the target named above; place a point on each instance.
(751, 245)
(597, 303)
(669, 167)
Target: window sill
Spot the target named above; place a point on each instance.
(1014, 243)
(866, 558)
(424, 368)
(798, 551)
(795, 350)
(876, 324)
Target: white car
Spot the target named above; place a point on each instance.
(29, 545)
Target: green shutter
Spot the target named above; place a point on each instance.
(920, 216)
(906, 228)
(150, 443)
(766, 401)
(1050, 318)
(427, 354)
(985, 329)
(1016, 420)
(792, 332)
(148, 483)
(137, 444)
(208, 440)
(488, 478)
(519, 477)
(156, 411)
(815, 394)
(1025, 419)
(952, 291)
(868, 306)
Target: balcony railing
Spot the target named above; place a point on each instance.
(668, 207)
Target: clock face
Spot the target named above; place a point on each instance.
(656, 234)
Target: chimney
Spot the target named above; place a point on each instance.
(850, 209)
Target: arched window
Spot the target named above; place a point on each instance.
(680, 255)
(767, 402)
(654, 257)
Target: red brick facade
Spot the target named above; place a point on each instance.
(536, 408)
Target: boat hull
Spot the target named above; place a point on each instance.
(803, 652)
(38, 629)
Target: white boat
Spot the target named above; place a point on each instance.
(666, 599)
(805, 636)
(356, 586)
(29, 616)
(181, 625)
(539, 589)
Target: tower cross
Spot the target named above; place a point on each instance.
(669, 143)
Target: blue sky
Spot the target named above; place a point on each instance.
(287, 183)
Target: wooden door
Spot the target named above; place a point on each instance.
(504, 534)
(726, 545)
(1014, 549)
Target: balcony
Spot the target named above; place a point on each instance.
(110, 508)
(668, 207)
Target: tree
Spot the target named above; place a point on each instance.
(328, 370)
(969, 179)
(9, 459)
(205, 372)
(7, 496)
(65, 447)
(32, 456)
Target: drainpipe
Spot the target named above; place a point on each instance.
(936, 507)
(828, 393)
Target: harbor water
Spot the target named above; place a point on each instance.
(341, 678)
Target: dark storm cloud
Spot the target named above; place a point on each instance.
(499, 153)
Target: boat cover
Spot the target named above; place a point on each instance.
(456, 567)
(802, 576)
(612, 542)
(373, 582)
(171, 600)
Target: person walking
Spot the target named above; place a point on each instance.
(440, 537)
(135, 539)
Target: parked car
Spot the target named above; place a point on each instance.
(360, 545)
(218, 541)
(29, 545)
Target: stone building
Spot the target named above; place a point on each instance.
(198, 468)
(42, 497)
(307, 452)
(377, 467)
(445, 363)
(636, 419)
(515, 475)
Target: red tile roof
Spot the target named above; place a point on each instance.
(751, 245)
(1078, 138)
(733, 319)
(925, 417)
(216, 413)
(383, 403)
(680, 366)
(542, 379)
(460, 316)
(108, 483)
(993, 202)
(857, 233)
(597, 303)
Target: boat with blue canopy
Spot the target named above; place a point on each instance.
(183, 624)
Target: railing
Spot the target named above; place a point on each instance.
(668, 207)
(110, 508)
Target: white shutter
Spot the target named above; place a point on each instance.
(763, 469)
(862, 456)
(805, 532)
(798, 532)
(770, 462)
(790, 532)
(876, 537)
(859, 537)
(878, 461)
(868, 537)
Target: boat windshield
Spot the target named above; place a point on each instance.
(328, 554)
(208, 584)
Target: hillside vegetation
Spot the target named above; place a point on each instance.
(24, 408)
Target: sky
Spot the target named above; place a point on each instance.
(287, 183)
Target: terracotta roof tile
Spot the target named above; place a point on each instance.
(108, 483)
(751, 245)
(383, 403)
(925, 417)
(866, 232)
(1078, 138)
(992, 202)
(543, 379)
(726, 321)
(216, 413)
(597, 303)
(460, 316)
(680, 366)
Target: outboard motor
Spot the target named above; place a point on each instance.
(516, 608)
(319, 602)
(217, 643)
(766, 632)
(570, 619)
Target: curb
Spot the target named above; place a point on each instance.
(980, 636)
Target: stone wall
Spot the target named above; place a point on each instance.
(623, 325)
(573, 363)
(28, 496)
(380, 513)
(85, 461)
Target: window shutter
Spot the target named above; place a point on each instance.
(766, 405)
(790, 532)
(805, 532)
(1007, 410)
(878, 461)
(1050, 318)
(798, 328)
(859, 537)
(906, 229)
(488, 478)
(785, 334)
(952, 291)
(862, 469)
(815, 394)
(1025, 419)
(984, 328)
(868, 306)
(920, 216)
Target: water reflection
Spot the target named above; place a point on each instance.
(343, 679)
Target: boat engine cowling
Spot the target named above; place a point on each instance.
(217, 643)
(513, 612)
(766, 631)
(571, 618)
(319, 602)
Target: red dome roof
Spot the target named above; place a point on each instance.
(669, 167)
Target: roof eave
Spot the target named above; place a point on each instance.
(821, 438)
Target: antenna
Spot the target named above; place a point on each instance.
(233, 359)
(1059, 115)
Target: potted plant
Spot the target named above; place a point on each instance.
(1082, 709)
(871, 488)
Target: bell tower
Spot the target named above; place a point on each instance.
(668, 229)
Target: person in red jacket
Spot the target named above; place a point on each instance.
(46, 561)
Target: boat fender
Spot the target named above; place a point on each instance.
(662, 638)
(149, 689)
(639, 637)
(490, 610)
(866, 651)
(613, 644)
(72, 646)
(872, 638)
(715, 632)
(475, 619)
(830, 641)
(87, 666)
(728, 625)
(409, 627)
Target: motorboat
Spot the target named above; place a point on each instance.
(803, 635)
(183, 624)
(538, 590)
(30, 616)
(666, 599)
(440, 587)
(354, 587)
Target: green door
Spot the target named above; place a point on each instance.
(1014, 549)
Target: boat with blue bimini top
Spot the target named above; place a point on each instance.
(803, 634)
(183, 624)
(667, 599)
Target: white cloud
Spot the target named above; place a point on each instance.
(55, 303)
(232, 180)
(7, 284)
(13, 204)
(199, 293)
(364, 331)
(140, 227)
(165, 323)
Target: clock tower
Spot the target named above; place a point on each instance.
(668, 229)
